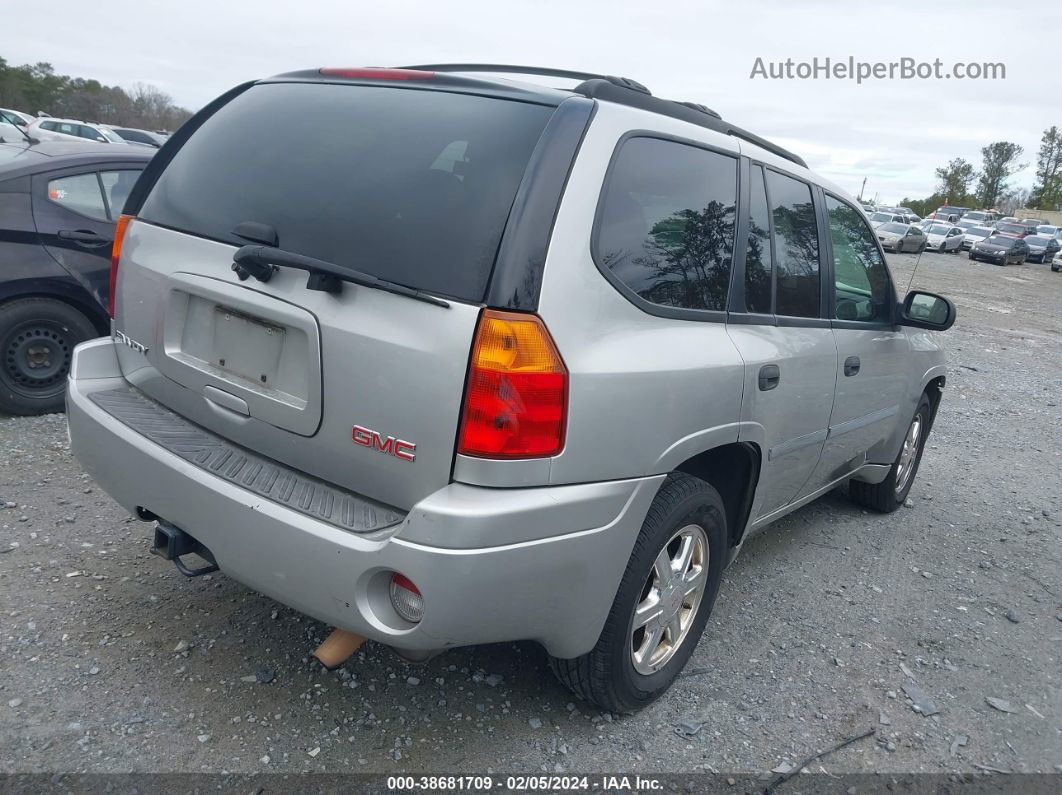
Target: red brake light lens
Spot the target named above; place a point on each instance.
(116, 254)
(377, 73)
(516, 400)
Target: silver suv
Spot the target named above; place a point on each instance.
(478, 360)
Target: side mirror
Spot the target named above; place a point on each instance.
(927, 310)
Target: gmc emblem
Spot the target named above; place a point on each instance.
(367, 437)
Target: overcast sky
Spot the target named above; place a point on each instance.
(893, 132)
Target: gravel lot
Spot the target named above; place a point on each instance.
(826, 626)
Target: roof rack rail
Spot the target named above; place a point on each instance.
(624, 91)
(497, 68)
(685, 111)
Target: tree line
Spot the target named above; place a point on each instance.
(958, 183)
(31, 88)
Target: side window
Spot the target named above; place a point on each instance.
(758, 253)
(80, 193)
(89, 133)
(48, 125)
(861, 281)
(116, 187)
(796, 246)
(666, 228)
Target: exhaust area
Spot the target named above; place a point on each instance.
(337, 648)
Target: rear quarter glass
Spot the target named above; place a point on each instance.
(408, 185)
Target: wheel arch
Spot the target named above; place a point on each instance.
(15, 291)
(734, 471)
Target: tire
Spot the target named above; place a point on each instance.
(890, 494)
(1055, 269)
(921, 249)
(607, 676)
(37, 339)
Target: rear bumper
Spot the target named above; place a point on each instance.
(555, 585)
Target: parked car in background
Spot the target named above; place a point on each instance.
(944, 218)
(507, 505)
(60, 202)
(1049, 231)
(50, 129)
(950, 209)
(1014, 229)
(1042, 248)
(10, 130)
(943, 238)
(869, 208)
(18, 117)
(911, 218)
(1056, 263)
(1034, 222)
(1007, 219)
(878, 218)
(981, 217)
(975, 234)
(136, 136)
(1000, 250)
(899, 237)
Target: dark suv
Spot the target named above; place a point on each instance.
(58, 206)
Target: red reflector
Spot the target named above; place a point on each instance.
(402, 581)
(516, 402)
(377, 73)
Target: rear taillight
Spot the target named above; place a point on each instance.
(516, 400)
(376, 73)
(116, 254)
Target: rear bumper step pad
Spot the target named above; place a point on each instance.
(273, 480)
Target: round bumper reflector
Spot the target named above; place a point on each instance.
(406, 598)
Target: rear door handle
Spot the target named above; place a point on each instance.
(770, 375)
(851, 366)
(83, 236)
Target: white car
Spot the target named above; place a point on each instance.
(981, 216)
(975, 234)
(20, 118)
(879, 218)
(50, 129)
(1056, 263)
(943, 238)
(1050, 231)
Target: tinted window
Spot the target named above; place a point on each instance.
(134, 135)
(796, 246)
(758, 254)
(116, 187)
(861, 281)
(80, 193)
(373, 183)
(667, 223)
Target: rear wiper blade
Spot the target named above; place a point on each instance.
(263, 261)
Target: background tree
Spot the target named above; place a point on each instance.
(1047, 191)
(955, 179)
(1000, 161)
(32, 88)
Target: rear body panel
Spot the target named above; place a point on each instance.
(394, 365)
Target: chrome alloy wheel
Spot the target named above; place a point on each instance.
(669, 599)
(908, 454)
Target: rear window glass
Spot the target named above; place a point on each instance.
(408, 185)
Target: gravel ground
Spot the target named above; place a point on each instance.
(827, 625)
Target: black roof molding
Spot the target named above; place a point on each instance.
(497, 68)
(624, 91)
(684, 111)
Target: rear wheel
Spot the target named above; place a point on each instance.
(37, 339)
(890, 494)
(662, 604)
